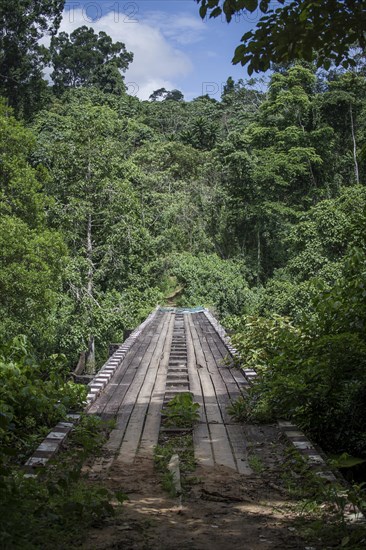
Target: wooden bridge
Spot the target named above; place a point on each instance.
(174, 351)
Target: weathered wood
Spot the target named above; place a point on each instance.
(109, 401)
(150, 435)
(223, 454)
(136, 422)
(126, 392)
(222, 396)
(212, 408)
(176, 344)
(239, 446)
(201, 435)
(234, 380)
(202, 445)
(229, 446)
(220, 388)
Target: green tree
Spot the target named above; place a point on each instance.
(240, 103)
(172, 196)
(32, 265)
(202, 124)
(208, 280)
(167, 118)
(22, 57)
(88, 59)
(317, 245)
(229, 87)
(95, 208)
(165, 95)
(315, 373)
(301, 29)
(341, 107)
(174, 95)
(21, 185)
(201, 134)
(271, 170)
(32, 257)
(158, 94)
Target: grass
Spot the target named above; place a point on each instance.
(183, 446)
(239, 409)
(256, 464)
(181, 411)
(167, 482)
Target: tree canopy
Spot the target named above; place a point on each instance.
(324, 32)
(86, 58)
(165, 95)
(22, 57)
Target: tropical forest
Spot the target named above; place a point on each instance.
(251, 205)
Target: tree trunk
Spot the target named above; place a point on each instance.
(90, 355)
(313, 180)
(90, 366)
(354, 146)
(258, 256)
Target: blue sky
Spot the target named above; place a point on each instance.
(173, 47)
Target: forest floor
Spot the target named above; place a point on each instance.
(222, 510)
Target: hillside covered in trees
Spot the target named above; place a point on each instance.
(253, 206)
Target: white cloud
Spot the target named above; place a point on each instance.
(182, 28)
(156, 62)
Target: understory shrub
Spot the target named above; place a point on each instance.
(315, 372)
(208, 280)
(56, 509)
(34, 396)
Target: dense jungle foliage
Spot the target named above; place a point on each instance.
(253, 205)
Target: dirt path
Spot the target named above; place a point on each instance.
(223, 510)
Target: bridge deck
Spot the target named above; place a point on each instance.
(177, 351)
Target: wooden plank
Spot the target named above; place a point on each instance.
(202, 445)
(221, 393)
(150, 435)
(113, 389)
(234, 384)
(229, 373)
(210, 332)
(222, 450)
(114, 440)
(212, 408)
(194, 381)
(136, 371)
(137, 395)
(239, 446)
(201, 436)
(136, 422)
(223, 454)
(103, 399)
(214, 432)
(128, 395)
(222, 396)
